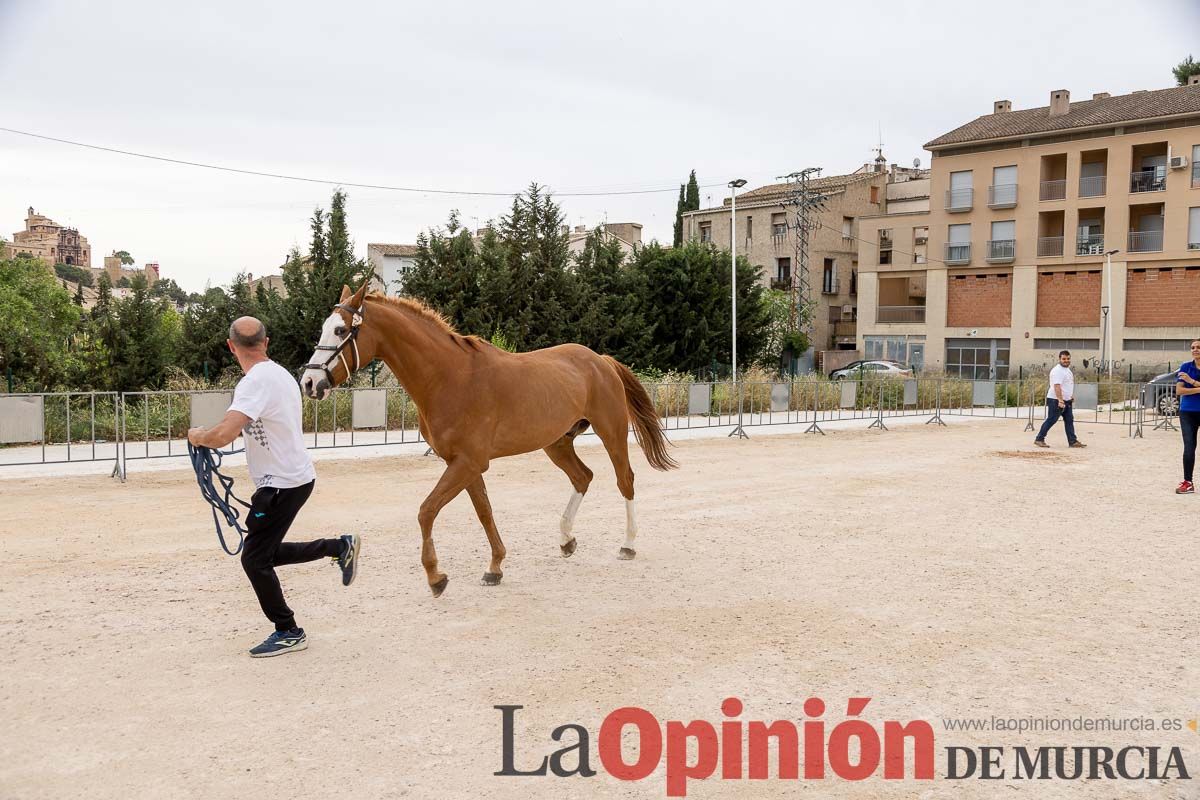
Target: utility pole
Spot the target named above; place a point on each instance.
(807, 203)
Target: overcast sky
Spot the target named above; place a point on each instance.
(488, 96)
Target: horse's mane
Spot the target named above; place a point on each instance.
(421, 310)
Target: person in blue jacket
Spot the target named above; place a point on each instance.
(1188, 390)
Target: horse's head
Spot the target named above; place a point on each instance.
(344, 346)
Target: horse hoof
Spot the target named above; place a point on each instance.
(492, 578)
(568, 548)
(626, 554)
(440, 586)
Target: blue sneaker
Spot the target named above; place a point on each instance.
(281, 642)
(348, 560)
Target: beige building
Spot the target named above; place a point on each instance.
(766, 224)
(627, 234)
(116, 271)
(45, 239)
(1009, 264)
(392, 263)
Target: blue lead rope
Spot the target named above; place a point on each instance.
(207, 463)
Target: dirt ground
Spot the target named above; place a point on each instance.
(942, 572)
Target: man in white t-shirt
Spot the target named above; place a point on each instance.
(1060, 400)
(266, 411)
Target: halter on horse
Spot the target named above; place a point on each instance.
(338, 350)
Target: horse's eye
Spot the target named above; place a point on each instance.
(339, 331)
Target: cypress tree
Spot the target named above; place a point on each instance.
(678, 240)
(693, 193)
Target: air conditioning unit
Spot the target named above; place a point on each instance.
(1178, 162)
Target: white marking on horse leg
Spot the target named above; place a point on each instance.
(630, 525)
(567, 523)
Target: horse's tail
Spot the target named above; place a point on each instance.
(646, 428)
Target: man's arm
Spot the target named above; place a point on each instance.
(221, 434)
(1058, 394)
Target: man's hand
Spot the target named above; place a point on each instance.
(194, 435)
(1062, 403)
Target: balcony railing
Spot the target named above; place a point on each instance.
(999, 250)
(1145, 241)
(830, 285)
(960, 199)
(845, 327)
(1090, 245)
(911, 314)
(1050, 246)
(778, 239)
(1093, 186)
(1002, 195)
(958, 253)
(1053, 190)
(1148, 180)
(783, 284)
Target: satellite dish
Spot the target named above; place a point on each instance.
(916, 163)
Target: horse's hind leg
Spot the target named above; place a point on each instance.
(562, 453)
(615, 435)
(483, 508)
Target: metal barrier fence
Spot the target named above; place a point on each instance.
(66, 427)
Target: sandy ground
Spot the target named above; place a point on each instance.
(942, 572)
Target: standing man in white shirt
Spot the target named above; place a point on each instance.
(267, 411)
(1060, 399)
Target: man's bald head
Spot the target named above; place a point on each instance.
(248, 333)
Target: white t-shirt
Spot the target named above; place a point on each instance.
(1064, 376)
(275, 452)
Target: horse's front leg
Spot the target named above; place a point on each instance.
(483, 509)
(460, 473)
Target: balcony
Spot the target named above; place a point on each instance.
(1090, 245)
(1050, 246)
(958, 253)
(845, 328)
(1002, 196)
(1148, 180)
(830, 285)
(1145, 241)
(1001, 250)
(783, 284)
(902, 314)
(958, 200)
(1094, 186)
(778, 239)
(1053, 190)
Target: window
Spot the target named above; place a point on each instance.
(1194, 229)
(960, 194)
(875, 194)
(749, 229)
(853, 281)
(847, 227)
(778, 225)
(1004, 187)
(977, 359)
(885, 246)
(783, 269)
(1066, 344)
(706, 231)
(892, 348)
(1002, 246)
(829, 284)
(1161, 345)
(1195, 166)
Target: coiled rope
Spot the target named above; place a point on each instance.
(207, 464)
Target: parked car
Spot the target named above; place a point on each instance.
(871, 368)
(1159, 394)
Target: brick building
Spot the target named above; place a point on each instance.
(766, 227)
(992, 277)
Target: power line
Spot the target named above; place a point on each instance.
(894, 250)
(351, 184)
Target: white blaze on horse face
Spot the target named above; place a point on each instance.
(328, 339)
(630, 525)
(567, 523)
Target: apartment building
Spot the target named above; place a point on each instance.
(766, 227)
(1065, 226)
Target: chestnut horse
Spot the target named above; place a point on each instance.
(476, 402)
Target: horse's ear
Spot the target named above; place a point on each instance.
(345, 293)
(357, 300)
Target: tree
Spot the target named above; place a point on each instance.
(205, 329)
(166, 287)
(78, 299)
(124, 283)
(446, 276)
(610, 320)
(1185, 69)
(74, 274)
(693, 193)
(678, 238)
(37, 322)
(126, 259)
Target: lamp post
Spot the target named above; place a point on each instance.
(1104, 339)
(734, 185)
(1108, 299)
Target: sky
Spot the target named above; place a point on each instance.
(489, 96)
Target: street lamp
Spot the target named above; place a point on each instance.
(734, 185)
(1108, 299)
